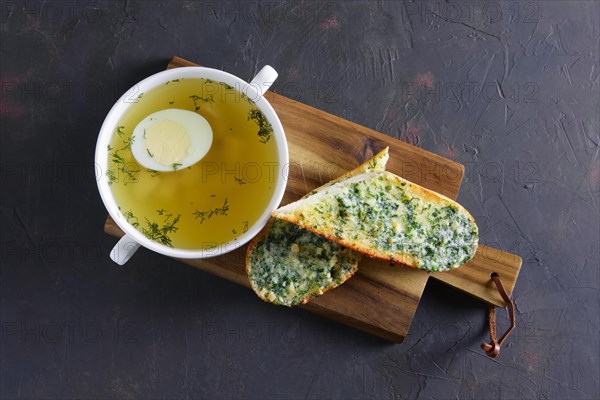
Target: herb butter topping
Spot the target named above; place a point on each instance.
(290, 265)
(387, 217)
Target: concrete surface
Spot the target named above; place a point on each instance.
(510, 89)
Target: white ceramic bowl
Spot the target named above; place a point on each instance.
(133, 238)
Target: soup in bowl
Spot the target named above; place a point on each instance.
(211, 206)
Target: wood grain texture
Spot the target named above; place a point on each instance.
(380, 299)
(474, 277)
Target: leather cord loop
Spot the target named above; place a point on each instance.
(492, 349)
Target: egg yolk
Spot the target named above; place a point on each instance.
(167, 142)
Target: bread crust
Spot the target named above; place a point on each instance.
(402, 259)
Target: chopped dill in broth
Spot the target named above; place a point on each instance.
(213, 201)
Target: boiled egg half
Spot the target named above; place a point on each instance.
(171, 139)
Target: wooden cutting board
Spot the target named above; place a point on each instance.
(380, 299)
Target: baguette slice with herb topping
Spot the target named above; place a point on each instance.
(289, 265)
(387, 217)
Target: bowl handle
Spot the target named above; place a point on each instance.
(124, 249)
(264, 79)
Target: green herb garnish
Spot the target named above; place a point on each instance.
(132, 219)
(197, 100)
(112, 178)
(129, 169)
(127, 143)
(152, 172)
(264, 128)
(206, 215)
(154, 231)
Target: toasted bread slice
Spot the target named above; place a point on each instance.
(289, 265)
(387, 217)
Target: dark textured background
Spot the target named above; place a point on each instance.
(510, 89)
